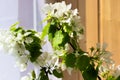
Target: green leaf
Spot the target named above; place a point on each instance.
(13, 27)
(90, 73)
(118, 78)
(70, 60)
(65, 40)
(33, 32)
(51, 32)
(43, 75)
(112, 78)
(34, 48)
(45, 30)
(17, 30)
(92, 49)
(33, 74)
(58, 39)
(73, 43)
(83, 62)
(57, 73)
(81, 31)
(67, 28)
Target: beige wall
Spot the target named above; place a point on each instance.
(50, 1)
(110, 26)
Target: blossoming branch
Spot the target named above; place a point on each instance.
(63, 31)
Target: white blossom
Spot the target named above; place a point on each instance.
(60, 9)
(74, 12)
(6, 39)
(28, 40)
(47, 59)
(106, 57)
(27, 33)
(103, 69)
(63, 66)
(117, 72)
(19, 37)
(57, 9)
(26, 78)
(22, 62)
(47, 8)
(104, 46)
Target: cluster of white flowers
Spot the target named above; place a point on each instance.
(104, 55)
(112, 70)
(14, 46)
(47, 60)
(66, 15)
(57, 10)
(116, 71)
(107, 66)
(6, 38)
